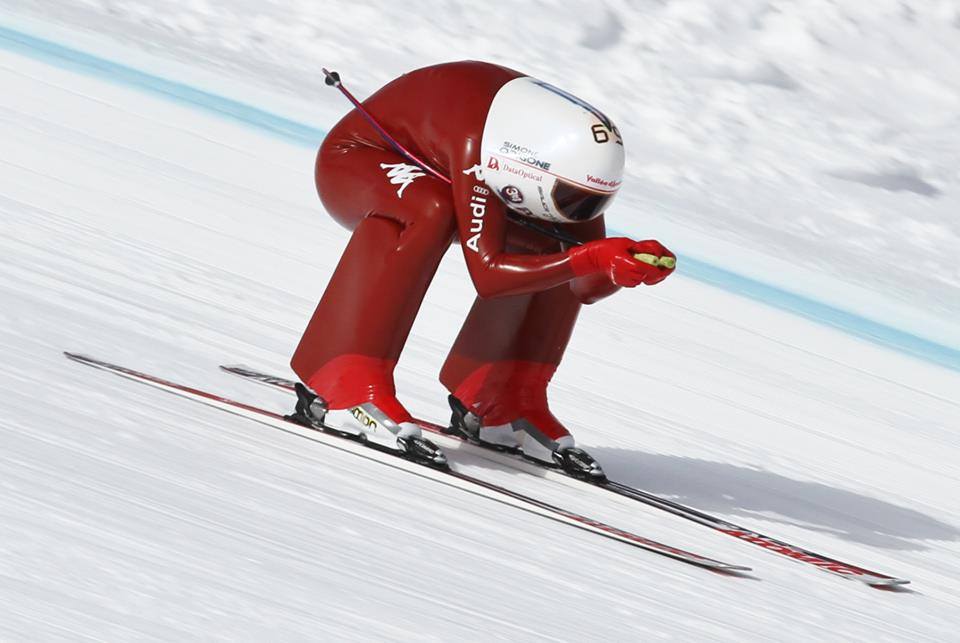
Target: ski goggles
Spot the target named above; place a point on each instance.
(577, 203)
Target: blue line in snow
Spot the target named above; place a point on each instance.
(74, 60)
(296, 132)
(812, 309)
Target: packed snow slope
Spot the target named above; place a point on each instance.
(147, 232)
(810, 144)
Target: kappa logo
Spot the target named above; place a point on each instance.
(402, 174)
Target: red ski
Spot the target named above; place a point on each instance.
(445, 476)
(832, 565)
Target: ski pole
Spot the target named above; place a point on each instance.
(332, 78)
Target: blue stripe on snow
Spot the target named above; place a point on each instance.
(856, 325)
(75, 60)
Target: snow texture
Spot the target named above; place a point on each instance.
(148, 232)
(821, 139)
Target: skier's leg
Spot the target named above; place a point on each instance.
(503, 359)
(506, 353)
(498, 372)
(352, 343)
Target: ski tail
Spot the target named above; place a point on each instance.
(448, 477)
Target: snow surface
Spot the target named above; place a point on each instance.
(814, 144)
(154, 234)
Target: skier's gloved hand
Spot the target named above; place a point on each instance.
(656, 273)
(615, 258)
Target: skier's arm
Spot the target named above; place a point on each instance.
(482, 226)
(590, 289)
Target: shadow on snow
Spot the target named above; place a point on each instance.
(733, 490)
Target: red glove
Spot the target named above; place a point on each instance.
(614, 258)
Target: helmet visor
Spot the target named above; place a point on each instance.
(577, 203)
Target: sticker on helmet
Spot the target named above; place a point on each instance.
(523, 154)
(512, 194)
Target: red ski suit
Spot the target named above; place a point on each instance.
(403, 220)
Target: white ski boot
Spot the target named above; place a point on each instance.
(523, 437)
(367, 423)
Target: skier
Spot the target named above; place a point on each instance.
(471, 141)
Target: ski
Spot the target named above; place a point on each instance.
(445, 475)
(831, 565)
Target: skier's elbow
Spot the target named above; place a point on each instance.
(484, 276)
(490, 284)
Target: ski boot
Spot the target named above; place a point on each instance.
(523, 437)
(466, 424)
(366, 423)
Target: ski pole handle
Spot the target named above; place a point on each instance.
(664, 262)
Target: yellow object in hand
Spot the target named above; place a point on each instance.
(664, 262)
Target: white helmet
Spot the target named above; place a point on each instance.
(548, 154)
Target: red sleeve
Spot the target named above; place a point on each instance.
(482, 225)
(592, 288)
